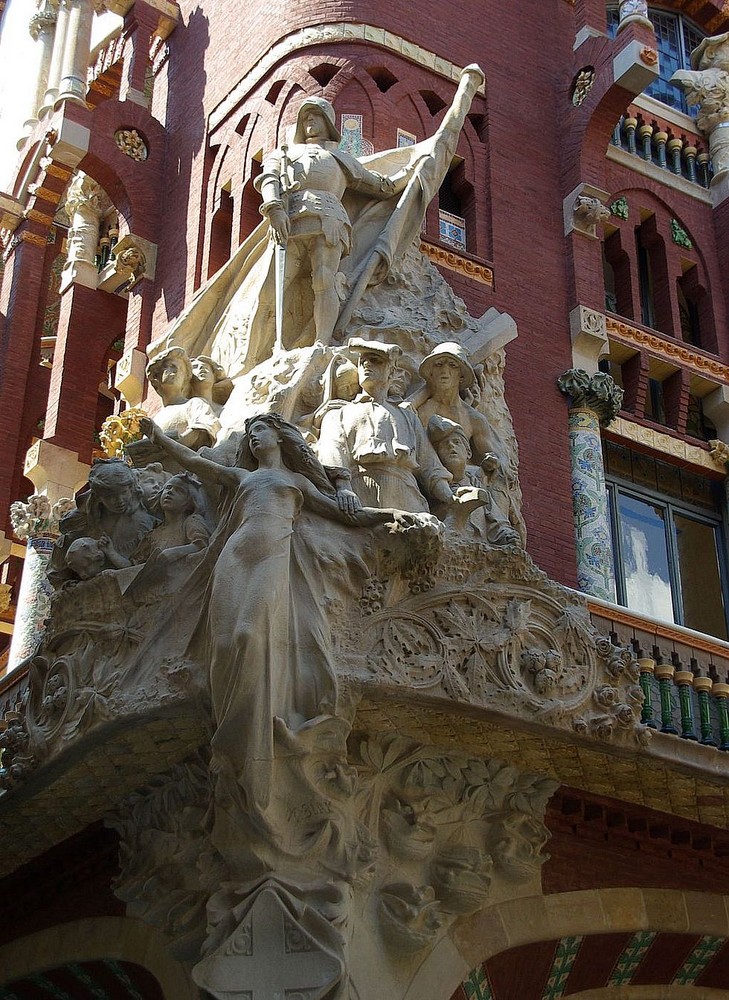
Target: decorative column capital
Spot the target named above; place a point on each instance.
(38, 517)
(85, 195)
(634, 12)
(44, 19)
(597, 392)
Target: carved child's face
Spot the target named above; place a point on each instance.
(454, 452)
(85, 558)
(174, 498)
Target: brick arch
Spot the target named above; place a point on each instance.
(119, 938)
(533, 919)
(134, 187)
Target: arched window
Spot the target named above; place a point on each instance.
(676, 37)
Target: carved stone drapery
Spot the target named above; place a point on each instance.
(595, 401)
(85, 204)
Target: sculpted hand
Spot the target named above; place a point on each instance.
(148, 428)
(348, 502)
(280, 225)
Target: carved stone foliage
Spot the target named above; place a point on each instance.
(38, 516)
(131, 144)
(165, 856)
(597, 392)
(520, 647)
(16, 758)
(449, 829)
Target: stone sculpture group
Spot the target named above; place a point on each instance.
(325, 504)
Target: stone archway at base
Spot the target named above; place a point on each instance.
(511, 924)
(107, 939)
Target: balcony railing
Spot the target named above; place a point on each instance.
(684, 674)
(681, 155)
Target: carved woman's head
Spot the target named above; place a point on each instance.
(268, 431)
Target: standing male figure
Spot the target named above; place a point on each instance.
(382, 444)
(302, 189)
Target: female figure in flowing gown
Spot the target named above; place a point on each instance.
(268, 638)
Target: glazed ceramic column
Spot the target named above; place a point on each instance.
(76, 50)
(633, 12)
(594, 401)
(36, 524)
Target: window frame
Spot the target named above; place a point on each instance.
(683, 22)
(614, 486)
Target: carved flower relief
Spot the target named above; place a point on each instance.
(131, 144)
(582, 85)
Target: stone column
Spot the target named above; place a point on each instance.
(42, 27)
(707, 84)
(594, 401)
(56, 61)
(36, 523)
(85, 204)
(634, 12)
(76, 50)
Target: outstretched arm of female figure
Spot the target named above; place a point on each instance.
(189, 459)
(365, 517)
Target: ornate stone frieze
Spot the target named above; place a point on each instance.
(457, 262)
(668, 349)
(597, 392)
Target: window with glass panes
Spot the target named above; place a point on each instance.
(676, 37)
(668, 541)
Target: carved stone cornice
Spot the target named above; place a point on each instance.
(671, 351)
(456, 262)
(598, 392)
